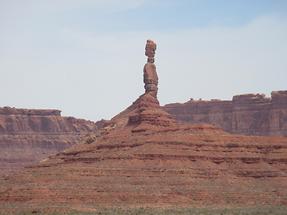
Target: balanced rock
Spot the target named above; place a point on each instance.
(145, 113)
(150, 75)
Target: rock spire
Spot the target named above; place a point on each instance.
(150, 75)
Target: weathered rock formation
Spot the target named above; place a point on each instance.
(251, 114)
(159, 166)
(145, 113)
(27, 135)
(150, 75)
(143, 158)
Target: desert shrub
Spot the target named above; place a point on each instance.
(90, 139)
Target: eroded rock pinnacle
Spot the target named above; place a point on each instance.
(150, 75)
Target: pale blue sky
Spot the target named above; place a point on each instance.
(85, 57)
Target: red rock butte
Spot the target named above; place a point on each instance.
(143, 157)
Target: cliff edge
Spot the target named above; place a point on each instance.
(29, 135)
(249, 114)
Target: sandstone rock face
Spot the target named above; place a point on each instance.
(15, 121)
(27, 135)
(250, 114)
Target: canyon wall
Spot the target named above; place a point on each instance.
(250, 114)
(28, 135)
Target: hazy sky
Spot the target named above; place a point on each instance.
(86, 57)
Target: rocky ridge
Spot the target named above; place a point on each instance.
(249, 114)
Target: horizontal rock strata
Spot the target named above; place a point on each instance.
(250, 114)
(28, 135)
(187, 166)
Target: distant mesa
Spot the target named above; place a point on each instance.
(248, 114)
(36, 112)
(29, 135)
(16, 120)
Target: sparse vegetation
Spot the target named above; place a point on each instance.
(267, 210)
(90, 139)
(232, 145)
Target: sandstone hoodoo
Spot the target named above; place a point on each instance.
(150, 75)
(145, 113)
(146, 110)
(144, 158)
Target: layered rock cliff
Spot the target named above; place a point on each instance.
(28, 135)
(250, 114)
